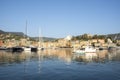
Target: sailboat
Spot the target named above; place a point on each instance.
(26, 48)
(40, 47)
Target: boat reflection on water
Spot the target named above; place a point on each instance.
(8, 57)
(60, 64)
(98, 57)
(61, 54)
(40, 59)
(114, 55)
(26, 60)
(86, 57)
(65, 55)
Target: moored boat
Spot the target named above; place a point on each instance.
(14, 49)
(2, 48)
(87, 49)
(40, 48)
(27, 48)
(34, 49)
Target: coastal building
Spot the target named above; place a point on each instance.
(1, 43)
(118, 41)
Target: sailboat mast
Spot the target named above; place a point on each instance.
(26, 29)
(40, 37)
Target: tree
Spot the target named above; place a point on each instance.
(98, 37)
(85, 37)
(95, 37)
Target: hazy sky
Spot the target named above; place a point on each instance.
(59, 18)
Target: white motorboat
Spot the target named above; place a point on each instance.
(87, 49)
(40, 48)
(27, 48)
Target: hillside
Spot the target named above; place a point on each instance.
(14, 33)
(114, 36)
(2, 32)
(21, 34)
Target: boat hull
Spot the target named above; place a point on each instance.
(14, 49)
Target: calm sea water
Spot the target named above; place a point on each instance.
(60, 64)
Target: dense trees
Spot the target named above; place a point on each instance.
(88, 37)
(98, 37)
(10, 36)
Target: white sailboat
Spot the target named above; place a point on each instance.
(40, 46)
(26, 48)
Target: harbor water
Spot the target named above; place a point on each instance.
(60, 64)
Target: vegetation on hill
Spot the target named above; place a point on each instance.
(18, 35)
(10, 37)
(88, 37)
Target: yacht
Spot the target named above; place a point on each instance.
(27, 48)
(87, 49)
(14, 49)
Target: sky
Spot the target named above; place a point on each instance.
(59, 18)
